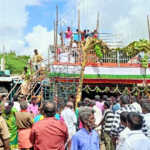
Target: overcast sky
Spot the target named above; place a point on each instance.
(28, 24)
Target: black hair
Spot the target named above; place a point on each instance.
(49, 109)
(135, 120)
(15, 98)
(25, 68)
(123, 116)
(125, 99)
(36, 50)
(107, 104)
(3, 96)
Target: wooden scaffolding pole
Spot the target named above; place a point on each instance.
(54, 40)
(79, 30)
(61, 34)
(56, 26)
(148, 24)
(97, 24)
(79, 19)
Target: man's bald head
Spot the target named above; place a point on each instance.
(49, 109)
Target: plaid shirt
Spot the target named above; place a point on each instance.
(116, 127)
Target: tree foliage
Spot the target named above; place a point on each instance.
(15, 63)
(136, 47)
(131, 50)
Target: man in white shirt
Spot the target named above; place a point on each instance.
(135, 104)
(136, 140)
(123, 134)
(70, 118)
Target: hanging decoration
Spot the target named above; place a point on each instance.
(115, 90)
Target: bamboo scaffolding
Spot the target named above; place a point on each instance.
(148, 24)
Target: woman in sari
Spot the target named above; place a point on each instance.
(9, 116)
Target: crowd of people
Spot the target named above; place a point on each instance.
(121, 123)
(73, 39)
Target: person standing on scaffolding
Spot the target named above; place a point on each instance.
(68, 35)
(37, 60)
(26, 81)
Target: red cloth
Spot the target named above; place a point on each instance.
(95, 36)
(68, 34)
(24, 138)
(49, 134)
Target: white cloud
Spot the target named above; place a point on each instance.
(40, 38)
(126, 17)
(14, 18)
(133, 26)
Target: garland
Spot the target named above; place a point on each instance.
(97, 89)
(126, 90)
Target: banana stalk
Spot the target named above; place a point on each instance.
(85, 47)
(79, 90)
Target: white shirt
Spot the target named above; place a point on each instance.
(137, 107)
(97, 115)
(136, 140)
(70, 119)
(17, 106)
(74, 45)
(122, 137)
(147, 124)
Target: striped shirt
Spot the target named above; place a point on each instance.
(108, 120)
(146, 125)
(116, 122)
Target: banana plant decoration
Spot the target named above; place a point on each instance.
(86, 46)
